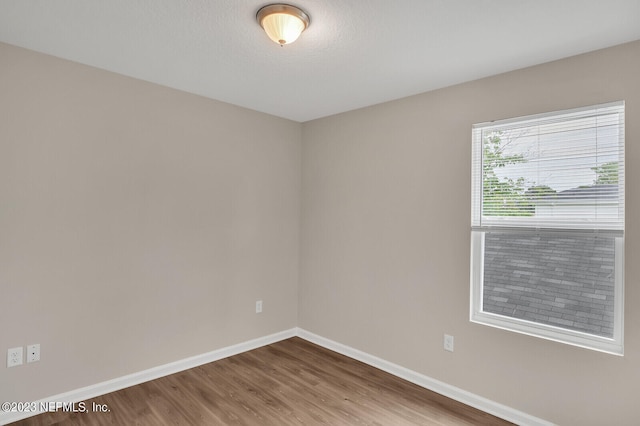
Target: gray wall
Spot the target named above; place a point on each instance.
(386, 240)
(138, 224)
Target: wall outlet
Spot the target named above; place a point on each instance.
(448, 343)
(14, 357)
(258, 306)
(33, 353)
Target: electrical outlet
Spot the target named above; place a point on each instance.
(448, 343)
(258, 306)
(33, 353)
(14, 357)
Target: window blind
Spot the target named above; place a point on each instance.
(561, 170)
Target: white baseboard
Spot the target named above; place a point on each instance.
(442, 388)
(437, 386)
(150, 374)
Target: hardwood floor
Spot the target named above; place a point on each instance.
(292, 382)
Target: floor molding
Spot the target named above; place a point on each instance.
(113, 385)
(442, 388)
(460, 395)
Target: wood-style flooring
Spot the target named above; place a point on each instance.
(292, 382)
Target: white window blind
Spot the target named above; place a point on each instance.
(560, 170)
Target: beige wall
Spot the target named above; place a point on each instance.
(385, 241)
(138, 224)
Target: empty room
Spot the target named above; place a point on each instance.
(420, 212)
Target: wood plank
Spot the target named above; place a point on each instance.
(292, 382)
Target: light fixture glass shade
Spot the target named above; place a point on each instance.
(282, 23)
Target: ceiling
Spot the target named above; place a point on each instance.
(354, 54)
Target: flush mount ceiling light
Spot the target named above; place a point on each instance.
(283, 23)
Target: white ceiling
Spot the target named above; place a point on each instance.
(354, 54)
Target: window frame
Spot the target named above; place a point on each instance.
(613, 345)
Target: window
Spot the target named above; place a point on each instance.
(547, 226)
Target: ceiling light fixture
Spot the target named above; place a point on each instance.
(283, 23)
